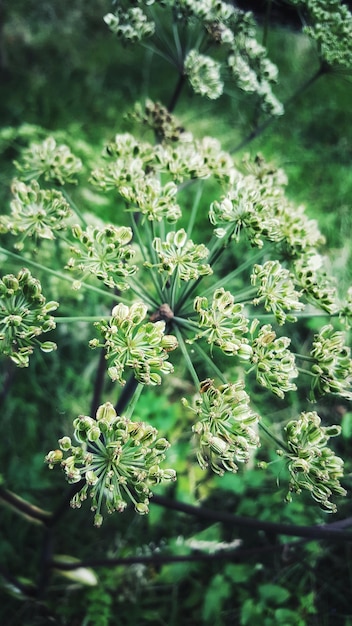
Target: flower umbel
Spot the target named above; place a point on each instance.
(130, 25)
(276, 290)
(204, 75)
(332, 369)
(273, 362)
(24, 315)
(223, 323)
(225, 432)
(35, 212)
(312, 465)
(181, 256)
(118, 459)
(130, 343)
(53, 162)
(105, 253)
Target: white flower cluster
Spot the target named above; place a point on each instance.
(213, 24)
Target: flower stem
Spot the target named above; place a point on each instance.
(60, 275)
(187, 358)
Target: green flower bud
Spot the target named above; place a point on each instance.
(65, 443)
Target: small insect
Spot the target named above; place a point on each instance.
(206, 384)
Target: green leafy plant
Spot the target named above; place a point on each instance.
(201, 269)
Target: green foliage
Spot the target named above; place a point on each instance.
(207, 281)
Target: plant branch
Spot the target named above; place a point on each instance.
(177, 92)
(29, 511)
(261, 127)
(60, 275)
(237, 555)
(322, 532)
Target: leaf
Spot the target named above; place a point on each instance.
(273, 593)
(219, 589)
(81, 575)
(346, 425)
(239, 573)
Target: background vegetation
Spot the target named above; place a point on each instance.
(63, 73)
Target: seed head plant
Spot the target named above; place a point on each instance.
(206, 271)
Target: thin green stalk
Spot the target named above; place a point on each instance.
(173, 290)
(209, 361)
(158, 52)
(140, 291)
(268, 432)
(162, 35)
(27, 510)
(194, 210)
(236, 272)
(186, 323)
(133, 401)
(245, 296)
(266, 23)
(258, 130)
(304, 357)
(177, 41)
(301, 370)
(81, 318)
(74, 206)
(148, 255)
(60, 275)
(187, 358)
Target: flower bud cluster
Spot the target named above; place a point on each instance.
(105, 253)
(35, 212)
(204, 75)
(330, 25)
(273, 362)
(181, 256)
(152, 199)
(300, 234)
(312, 465)
(131, 343)
(135, 168)
(252, 207)
(55, 163)
(346, 310)
(332, 369)
(130, 25)
(276, 290)
(256, 205)
(216, 24)
(118, 460)
(317, 287)
(223, 324)
(24, 315)
(157, 117)
(225, 433)
(254, 73)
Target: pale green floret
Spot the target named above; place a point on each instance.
(24, 316)
(330, 25)
(225, 434)
(180, 256)
(130, 25)
(130, 343)
(204, 75)
(35, 212)
(272, 361)
(54, 162)
(120, 463)
(332, 369)
(275, 289)
(312, 465)
(223, 324)
(105, 253)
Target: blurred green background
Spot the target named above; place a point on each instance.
(62, 72)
